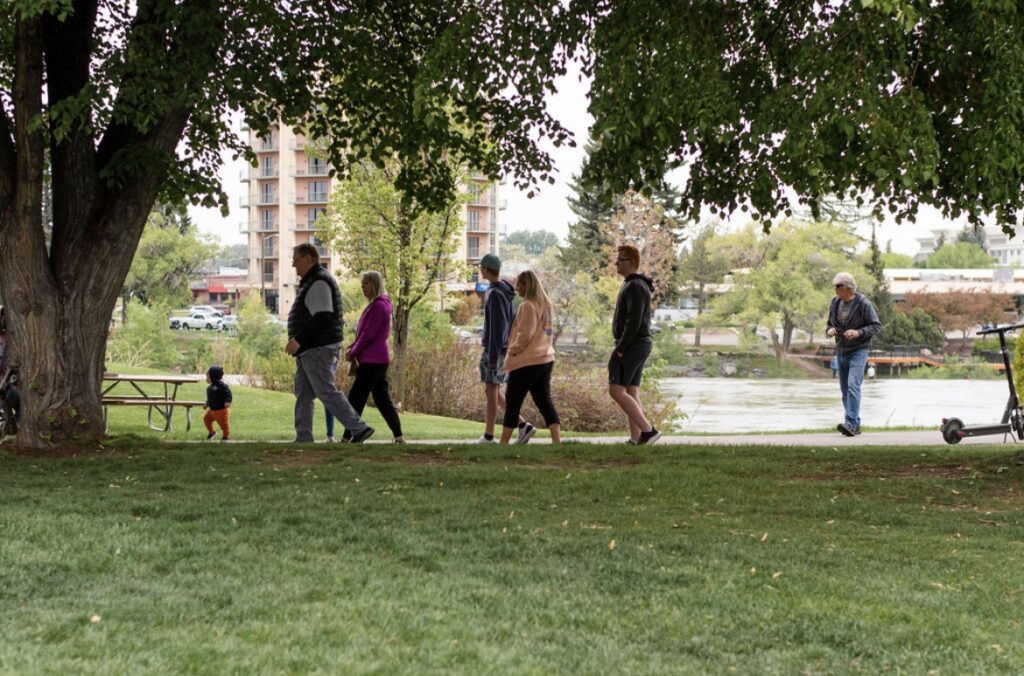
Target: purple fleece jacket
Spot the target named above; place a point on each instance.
(371, 343)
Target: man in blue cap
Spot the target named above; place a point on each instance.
(498, 314)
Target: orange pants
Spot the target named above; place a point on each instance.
(222, 417)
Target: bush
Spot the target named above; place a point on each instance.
(465, 310)
(443, 379)
(957, 369)
(915, 328)
(146, 340)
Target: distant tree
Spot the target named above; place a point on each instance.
(170, 254)
(703, 264)
(973, 234)
(880, 295)
(897, 260)
(960, 255)
(789, 283)
(373, 225)
(534, 242)
(639, 221)
(961, 310)
(234, 256)
(915, 327)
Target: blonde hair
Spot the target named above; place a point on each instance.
(535, 291)
(376, 281)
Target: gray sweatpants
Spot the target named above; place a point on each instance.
(314, 379)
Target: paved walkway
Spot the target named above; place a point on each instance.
(908, 438)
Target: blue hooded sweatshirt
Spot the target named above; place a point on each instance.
(498, 314)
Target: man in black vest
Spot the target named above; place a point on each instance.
(314, 339)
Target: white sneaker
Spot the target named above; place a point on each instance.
(330, 440)
(526, 433)
(485, 440)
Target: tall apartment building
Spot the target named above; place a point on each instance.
(1006, 251)
(288, 194)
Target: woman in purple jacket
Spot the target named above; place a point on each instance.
(369, 351)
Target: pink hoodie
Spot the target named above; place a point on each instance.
(371, 343)
(530, 340)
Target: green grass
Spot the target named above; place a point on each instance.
(258, 414)
(164, 558)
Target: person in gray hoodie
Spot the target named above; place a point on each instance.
(498, 314)
(631, 328)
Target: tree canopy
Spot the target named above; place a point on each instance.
(906, 103)
(959, 255)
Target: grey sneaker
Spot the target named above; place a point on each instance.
(526, 433)
(846, 430)
(485, 440)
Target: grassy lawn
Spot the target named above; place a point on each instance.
(247, 558)
(258, 414)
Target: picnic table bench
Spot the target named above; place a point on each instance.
(162, 404)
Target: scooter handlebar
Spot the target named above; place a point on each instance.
(1001, 329)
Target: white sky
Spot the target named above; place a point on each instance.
(549, 208)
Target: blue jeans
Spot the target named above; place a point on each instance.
(851, 377)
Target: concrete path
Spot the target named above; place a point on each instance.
(828, 439)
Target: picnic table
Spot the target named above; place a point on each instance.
(161, 403)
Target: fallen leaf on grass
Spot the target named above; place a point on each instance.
(612, 545)
(95, 619)
(776, 575)
(764, 537)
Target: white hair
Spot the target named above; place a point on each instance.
(845, 279)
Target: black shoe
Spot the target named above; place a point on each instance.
(211, 435)
(846, 430)
(647, 438)
(360, 437)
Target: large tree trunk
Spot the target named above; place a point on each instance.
(59, 301)
(700, 311)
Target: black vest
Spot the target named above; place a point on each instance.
(301, 325)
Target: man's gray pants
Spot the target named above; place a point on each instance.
(314, 379)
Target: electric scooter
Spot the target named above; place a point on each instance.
(953, 429)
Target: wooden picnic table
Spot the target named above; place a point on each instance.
(162, 403)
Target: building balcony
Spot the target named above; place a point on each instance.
(304, 227)
(323, 251)
(310, 199)
(297, 145)
(267, 147)
(268, 251)
(266, 226)
(269, 278)
(302, 172)
(264, 200)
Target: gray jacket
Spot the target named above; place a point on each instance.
(862, 317)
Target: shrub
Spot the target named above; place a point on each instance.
(466, 309)
(146, 340)
(957, 369)
(443, 379)
(914, 328)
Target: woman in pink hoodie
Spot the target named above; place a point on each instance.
(370, 353)
(530, 359)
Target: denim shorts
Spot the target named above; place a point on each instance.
(492, 376)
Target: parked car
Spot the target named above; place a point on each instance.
(229, 323)
(205, 309)
(200, 320)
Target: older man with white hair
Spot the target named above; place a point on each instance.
(853, 322)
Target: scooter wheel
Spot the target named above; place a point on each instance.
(951, 429)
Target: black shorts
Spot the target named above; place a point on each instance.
(628, 369)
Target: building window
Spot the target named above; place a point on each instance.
(267, 168)
(315, 215)
(267, 193)
(267, 219)
(268, 271)
(317, 191)
(473, 247)
(316, 166)
(473, 220)
(267, 142)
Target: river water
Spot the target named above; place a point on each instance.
(746, 405)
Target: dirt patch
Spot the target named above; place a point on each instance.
(868, 472)
(297, 459)
(65, 452)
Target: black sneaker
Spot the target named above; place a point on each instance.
(360, 437)
(211, 435)
(647, 438)
(846, 430)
